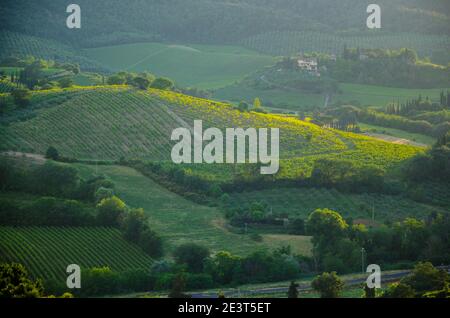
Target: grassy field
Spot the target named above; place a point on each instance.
(289, 100)
(47, 251)
(202, 66)
(180, 221)
(401, 134)
(301, 202)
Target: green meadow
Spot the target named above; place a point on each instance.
(180, 221)
(276, 98)
(202, 66)
(415, 138)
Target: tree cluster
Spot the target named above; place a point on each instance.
(338, 245)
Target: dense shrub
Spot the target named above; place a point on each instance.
(347, 175)
(192, 255)
(46, 211)
(135, 228)
(110, 212)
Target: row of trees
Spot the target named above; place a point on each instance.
(347, 175)
(195, 268)
(387, 68)
(403, 123)
(257, 212)
(46, 211)
(225, 268)
(142, 80)
(416, 116)
(31, 72)
(411, 107)
(133, 223)
(61, 181)
(424, 281)
(433, 165)
(192, 267)
(177, 180)
(337, 244)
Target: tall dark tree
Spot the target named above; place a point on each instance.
(293, 291)
(369, 292)
(192, 255)
(52, 153)
(178, 286)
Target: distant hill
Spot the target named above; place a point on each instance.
(292, 42)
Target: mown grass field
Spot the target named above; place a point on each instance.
(47, 251)
(202, 66)
(180, 221)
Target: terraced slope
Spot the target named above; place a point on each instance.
(46, 251)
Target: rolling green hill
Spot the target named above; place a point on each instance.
(109, 123)
(47, 251)
(179, 221)
(215, 21)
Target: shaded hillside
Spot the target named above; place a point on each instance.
(214, 21)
